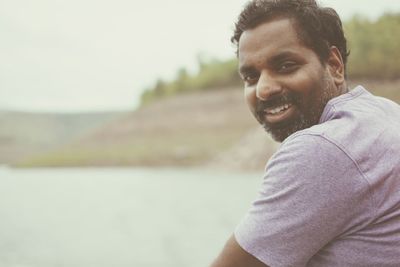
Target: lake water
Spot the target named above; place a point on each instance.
(119, 217)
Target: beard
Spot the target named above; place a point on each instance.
(310, 109)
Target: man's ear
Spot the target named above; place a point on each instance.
(336, 66)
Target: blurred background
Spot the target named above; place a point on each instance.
(124, 136)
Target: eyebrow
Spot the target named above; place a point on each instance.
(274, 60)
(281, 57)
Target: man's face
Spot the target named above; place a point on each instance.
(286, 85)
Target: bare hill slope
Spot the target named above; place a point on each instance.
(185, 130)
(210, 128)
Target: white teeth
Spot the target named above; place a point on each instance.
(278, 109)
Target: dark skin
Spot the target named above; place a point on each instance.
(272, 64)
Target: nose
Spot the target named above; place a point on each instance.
(267, 86)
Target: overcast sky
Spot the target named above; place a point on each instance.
(88, 55)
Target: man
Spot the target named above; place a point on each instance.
(331, 193)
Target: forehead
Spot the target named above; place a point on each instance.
(269, 39)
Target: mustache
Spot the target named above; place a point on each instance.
(274, 101)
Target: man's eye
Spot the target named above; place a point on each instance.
(287, 67)
(250, 79)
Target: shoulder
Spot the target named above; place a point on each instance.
(309, 147)
(318, 167)
(312, 190)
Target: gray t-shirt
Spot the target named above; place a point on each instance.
(331, 193)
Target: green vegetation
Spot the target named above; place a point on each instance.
(213, 74)
(374, 47)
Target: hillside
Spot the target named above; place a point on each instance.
(185, 130)
(24, 135)
(207, 128)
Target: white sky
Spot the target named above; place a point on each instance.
(90, 55)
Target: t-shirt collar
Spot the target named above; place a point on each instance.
(329, 108)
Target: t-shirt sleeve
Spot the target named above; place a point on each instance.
(312, 193)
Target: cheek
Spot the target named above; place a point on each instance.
(302, 82)
(313, 91)
(251, 99)
(307, 84)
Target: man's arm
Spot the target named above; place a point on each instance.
(234, 256)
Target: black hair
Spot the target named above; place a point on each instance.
(318, 28)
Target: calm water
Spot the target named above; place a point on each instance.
(118, 217)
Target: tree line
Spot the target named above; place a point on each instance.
(374, 54)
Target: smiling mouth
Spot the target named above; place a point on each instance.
(279, 114)
(277, 110)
